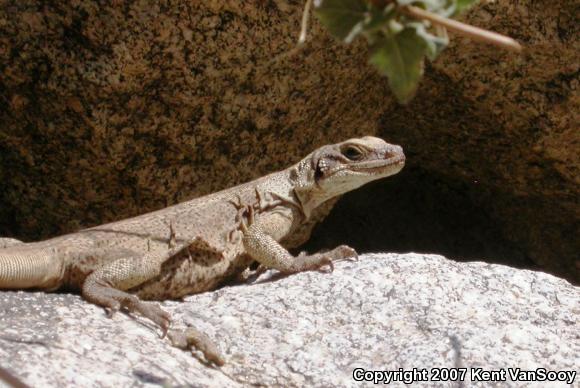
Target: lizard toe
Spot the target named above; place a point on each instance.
(326, 265)
(155, 313)
(344, 252)
(112, 309)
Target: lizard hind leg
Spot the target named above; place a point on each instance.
(107, 287)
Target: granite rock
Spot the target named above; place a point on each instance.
(384, 312)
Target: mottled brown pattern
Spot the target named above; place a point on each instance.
(110, 111)
(189, 273)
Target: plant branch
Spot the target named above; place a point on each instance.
(472, 32)
(304, 24)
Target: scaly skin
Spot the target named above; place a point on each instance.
(198, 245)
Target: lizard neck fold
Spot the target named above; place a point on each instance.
(304, 186)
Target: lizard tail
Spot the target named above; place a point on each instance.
(23, 266)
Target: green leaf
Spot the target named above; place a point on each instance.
(378, 18)
(343, 18)
(400, 58)
(435, 44)
(399, 42)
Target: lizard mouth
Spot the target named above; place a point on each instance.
(378, 167)
(389, 166)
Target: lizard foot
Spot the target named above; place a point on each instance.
(317, 262)
(343, 252)
(153, 312)
(114, 300)
(323, 262)
(191, 339)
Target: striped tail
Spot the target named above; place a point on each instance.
(29, 266)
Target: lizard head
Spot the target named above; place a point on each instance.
(335, 169)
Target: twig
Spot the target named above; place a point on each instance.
(475, 33)
(304, 24)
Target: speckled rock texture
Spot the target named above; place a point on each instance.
(383, 312)
(112, 109)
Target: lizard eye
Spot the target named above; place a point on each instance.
(352, 153)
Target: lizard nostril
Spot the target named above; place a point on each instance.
(394, 152)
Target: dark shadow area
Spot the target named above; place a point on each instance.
(417, 211)
(8, 224)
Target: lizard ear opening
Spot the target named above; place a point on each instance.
(319, 171)
(320, 163)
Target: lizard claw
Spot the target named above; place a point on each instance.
(344, 252)
(112, 310)
(150, 311)
(326, 262)
(155, 313)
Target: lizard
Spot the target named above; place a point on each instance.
(201, 244)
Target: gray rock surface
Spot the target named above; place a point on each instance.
(384, 312)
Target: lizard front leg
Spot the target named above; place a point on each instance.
(261, 242)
